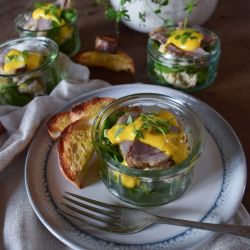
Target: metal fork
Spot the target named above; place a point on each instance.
(127, 220)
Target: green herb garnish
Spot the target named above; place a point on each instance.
(142, 16)
(119, 131)
(138, 133)
(129, 120)
(152, 123)
(17, 58)
(185, 36)
(189, 8)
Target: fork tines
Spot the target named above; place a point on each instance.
(95, 213)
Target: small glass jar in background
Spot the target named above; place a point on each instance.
(66, 36)
(20, 88)
(149, 187)
(187, 73)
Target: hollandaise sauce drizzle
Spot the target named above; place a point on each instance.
(185, 39)
(48, 11)
(15, 60)
(154, 130)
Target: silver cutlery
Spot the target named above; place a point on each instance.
(127, 220)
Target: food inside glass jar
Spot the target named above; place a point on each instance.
(20, 79)
(144, 140)
(16, 61)
(53, 20)
(184, 56)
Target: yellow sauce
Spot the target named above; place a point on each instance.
(126, 180)
(186, 39)
(66, 32)
(44, 13)
(33, 60)
(10, 66)
(15, 59)
(173, 144)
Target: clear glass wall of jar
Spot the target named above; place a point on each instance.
(66, 36)
(156, 186)
(187, 73)
(21, 87)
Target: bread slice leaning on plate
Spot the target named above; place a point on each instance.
(89, 109)
(73, 129)
(75, 149)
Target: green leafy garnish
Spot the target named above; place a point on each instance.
(190, 5)
(160, 3)
(17, 58)
(69, 15)
(129, 120)
(185, 36)
(189, 8)
(105, 143)
(142, 16)
(9, 94)
(119, 131)
(138, 133)
(25, 54)
(152, 123)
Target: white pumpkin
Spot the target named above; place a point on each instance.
(174, 11)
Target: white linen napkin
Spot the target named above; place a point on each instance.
(19, 226)
(22, 122)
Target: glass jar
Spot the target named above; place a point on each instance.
(66, 36)
(149, 187)
(20, 88)
(187, 73)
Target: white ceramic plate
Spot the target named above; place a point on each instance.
(214, 196)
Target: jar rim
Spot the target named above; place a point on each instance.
(22, 15)
(172, 171)
(175, 58)
(54, 53)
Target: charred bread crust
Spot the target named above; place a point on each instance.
(89, 109)
(58, 122)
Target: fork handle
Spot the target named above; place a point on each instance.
(243, 231)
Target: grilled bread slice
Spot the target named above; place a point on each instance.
(75, 149)
(89, 109)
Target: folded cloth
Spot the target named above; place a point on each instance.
(19, 226)
(22, 122)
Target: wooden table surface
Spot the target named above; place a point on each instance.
(230, 93)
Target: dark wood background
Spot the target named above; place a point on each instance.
(229, 95)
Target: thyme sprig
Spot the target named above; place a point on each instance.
(152, 123)
(189, 8)
(122, 13)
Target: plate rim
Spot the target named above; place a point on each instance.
(99, 90)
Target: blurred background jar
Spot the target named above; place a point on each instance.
(28, 68)
(51, 20)
(190, 69)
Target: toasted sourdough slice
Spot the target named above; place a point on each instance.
(75, 149)
(89, 109)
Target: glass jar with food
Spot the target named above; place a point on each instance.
(57, 21)
(148, 145)
(183, 58)
(28, 68)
